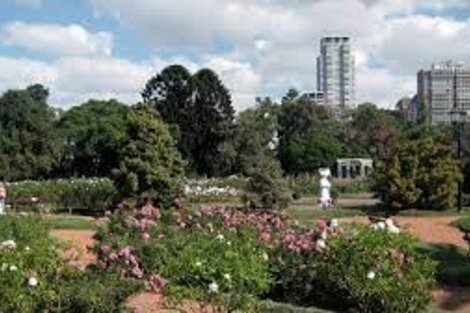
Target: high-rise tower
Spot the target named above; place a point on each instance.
(335, 72)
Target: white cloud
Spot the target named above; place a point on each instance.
(19, 73)
(74, 80)
(273, 43)
(56, 39)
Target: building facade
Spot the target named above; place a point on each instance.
(317, 98)
(444, 87)
(336, 73)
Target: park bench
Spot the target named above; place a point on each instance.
(28, 201)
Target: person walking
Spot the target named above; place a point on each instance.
(3, 197)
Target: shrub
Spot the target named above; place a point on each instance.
(362, 269)
(420, 174)
(90, 194)
(463, 224)
(150, 164)
(36, 278)
(186, 255)
(266, 188)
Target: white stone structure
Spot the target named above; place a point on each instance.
(325, 188)
(353, 168)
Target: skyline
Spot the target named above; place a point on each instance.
(108, 48)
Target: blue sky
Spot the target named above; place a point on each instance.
(103, 49)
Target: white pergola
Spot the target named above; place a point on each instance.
(353, 168)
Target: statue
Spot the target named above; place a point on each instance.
(325, 188)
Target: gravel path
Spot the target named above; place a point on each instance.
(428, 229)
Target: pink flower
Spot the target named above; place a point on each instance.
(150, 211)
(113, 257)
(265, 235)
(156, 283)
(137, 272)
(105, 249)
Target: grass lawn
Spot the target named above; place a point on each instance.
(307, 215)
(71, 222)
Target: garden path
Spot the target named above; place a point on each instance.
(428, 229)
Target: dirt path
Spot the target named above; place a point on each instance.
(429, 229)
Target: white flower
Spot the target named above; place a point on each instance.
(381, 225)
(334, 223)
(27, 249)
(265, 256)
(213, 287)
(229, 243)
(13, 268)
(9, 244)
(227, 277)
(320, 244)
(371, 275)
(220, 237)
(394, 230)
(198, 264)
(33, 281)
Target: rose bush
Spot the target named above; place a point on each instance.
(91, 194)
(358, 269)
(34, 276)
(212, 255)
(230, 258)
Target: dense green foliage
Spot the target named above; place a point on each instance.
(200, 107)
(29, 147)
(266, 187)
(362, 269)
(307, 137)
(420, 174)
(36, 278)
(92, 195)
(150, 164)
(93, 133)
(231, 258)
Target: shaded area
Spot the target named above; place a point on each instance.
(453, 275)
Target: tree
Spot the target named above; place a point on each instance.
(200, 107)
(93, 136)
(213, 121)
(170, 93)
(29, 145)
(255, 137)
(309, 137)
(150, 165)
(373, 128)
(420, 174)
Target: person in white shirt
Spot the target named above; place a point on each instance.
(3, 197)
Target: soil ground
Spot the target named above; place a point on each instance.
(428, 229)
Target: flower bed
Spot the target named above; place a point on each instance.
(34, 277)
(86, 194)
(230, 259)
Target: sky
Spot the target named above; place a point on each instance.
(102, 49)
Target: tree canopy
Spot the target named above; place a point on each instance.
(150, 165)
(93, 135)
(200, 107)
(29, 145)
